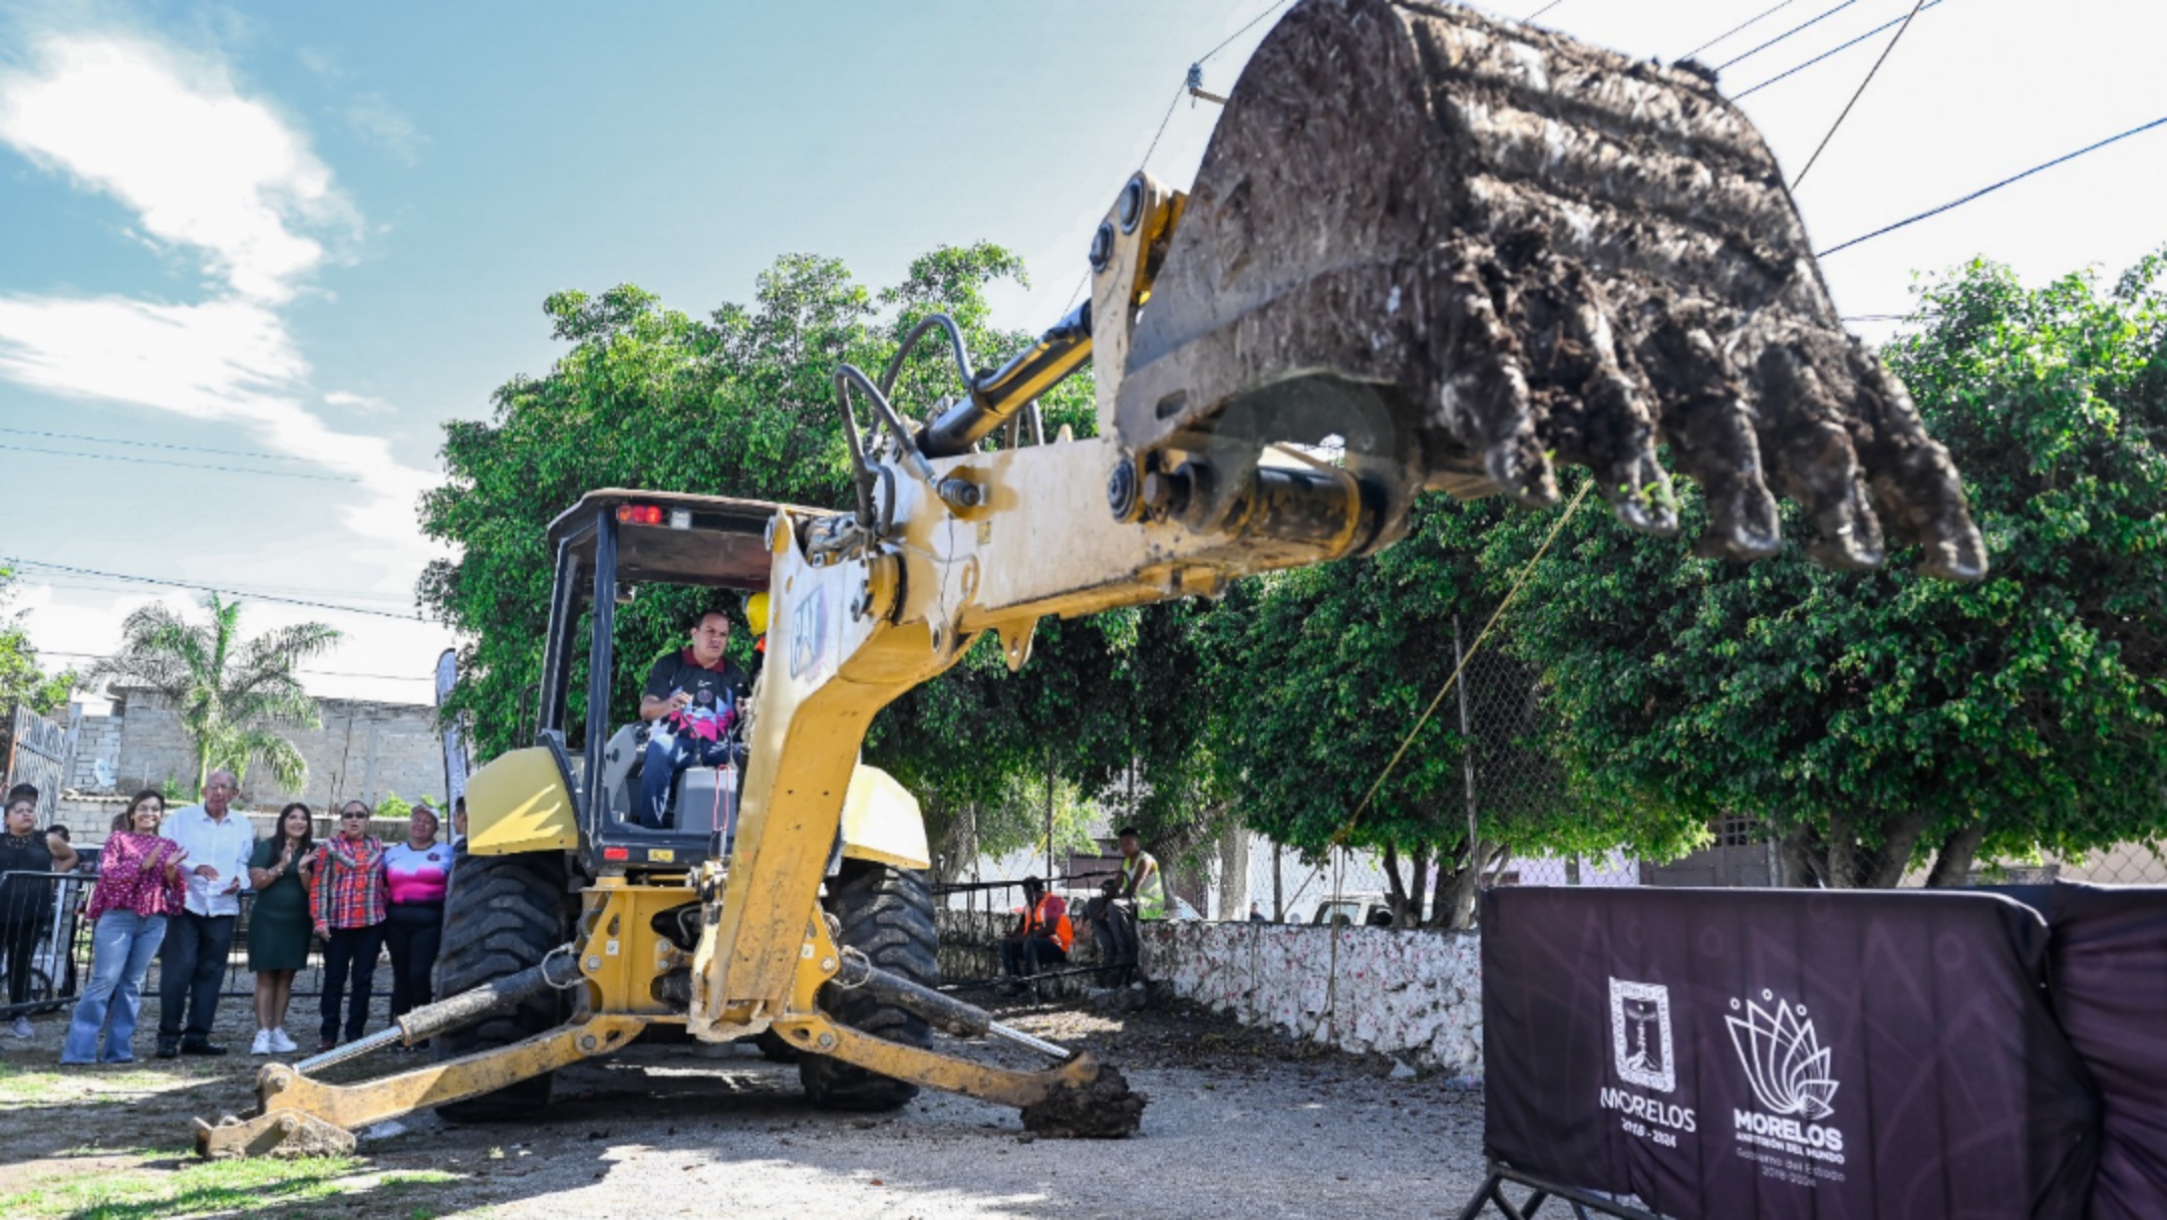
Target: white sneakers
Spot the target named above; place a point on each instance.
(21, 1028)
(272, 1042)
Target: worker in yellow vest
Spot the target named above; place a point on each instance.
(1138, 894)
(1041, 938)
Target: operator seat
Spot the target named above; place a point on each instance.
(702, 800)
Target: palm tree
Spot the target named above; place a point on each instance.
(232, 697)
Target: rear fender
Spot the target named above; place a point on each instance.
(519, 803)
(882, 823)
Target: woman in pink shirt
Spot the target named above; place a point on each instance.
(415, 874)
(139, 884)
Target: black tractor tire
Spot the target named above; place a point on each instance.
(503, 914)
(887, 914)
(773, 1048)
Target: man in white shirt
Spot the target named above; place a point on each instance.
(215, 845)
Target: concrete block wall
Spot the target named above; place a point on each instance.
(1413, 995)
(362, 750)
(97, 739)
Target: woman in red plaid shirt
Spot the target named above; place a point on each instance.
(347, 898)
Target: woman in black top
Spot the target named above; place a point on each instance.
(25, 901)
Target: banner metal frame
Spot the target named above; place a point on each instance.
(1492, 1194)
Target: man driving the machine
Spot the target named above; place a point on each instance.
(693, 703)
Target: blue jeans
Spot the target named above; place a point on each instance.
(121, 948)
(667, 754)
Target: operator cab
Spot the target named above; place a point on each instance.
(607, 547)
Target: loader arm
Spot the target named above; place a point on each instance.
(1450, 252)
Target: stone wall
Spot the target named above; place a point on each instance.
(1413, 995)
(362, 750)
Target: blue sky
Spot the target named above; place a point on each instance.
(304, 235)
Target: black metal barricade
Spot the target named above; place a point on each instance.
(55, 942)
(58, 946)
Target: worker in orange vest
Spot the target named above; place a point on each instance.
(1041, 937)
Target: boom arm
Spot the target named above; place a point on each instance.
(1454, 252)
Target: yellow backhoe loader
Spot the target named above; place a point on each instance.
(1426, 250)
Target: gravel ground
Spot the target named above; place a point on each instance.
(1240, 1125)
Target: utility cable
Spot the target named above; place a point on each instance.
(1988, 190)
(1800, 28)
(1539, 12)
(1251, 24)
(182, 584)
(115, 440)
(115, 457)
(1858, 93)
(1793, 71)
(321, 673)
(1747, 24)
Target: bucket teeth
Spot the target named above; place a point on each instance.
(1532, 252)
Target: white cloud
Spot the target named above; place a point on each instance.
(168, 136)
(363, 403)
(224, 176)
(228, 361)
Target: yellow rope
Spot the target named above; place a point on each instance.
(1340, 836)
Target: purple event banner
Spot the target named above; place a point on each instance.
(1784, 1054)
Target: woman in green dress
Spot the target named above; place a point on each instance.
(278, 922)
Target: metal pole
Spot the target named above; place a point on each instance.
(1049, 812)
(1279, 887)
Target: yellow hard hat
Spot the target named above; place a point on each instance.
(756, 613)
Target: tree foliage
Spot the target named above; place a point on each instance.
(1320, 674)
(22, 679)
(1880, 721)
(233, 698)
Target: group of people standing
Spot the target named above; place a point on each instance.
(170, 887)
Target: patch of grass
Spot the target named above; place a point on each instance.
(203, 1188)
(23, 1086)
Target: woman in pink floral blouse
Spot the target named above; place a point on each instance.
(139, 884)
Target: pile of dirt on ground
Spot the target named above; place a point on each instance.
(1172, 1033)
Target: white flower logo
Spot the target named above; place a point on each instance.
(1783, 1058)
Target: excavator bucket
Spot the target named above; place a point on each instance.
(1472, 250)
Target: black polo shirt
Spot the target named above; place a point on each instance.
(712, 690)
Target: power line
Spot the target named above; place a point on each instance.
(1750, 22)
(182, 584)
(1268, 11)
(114, 457)
(1832, 51)
(1858, 93)
(1800, 28)
(321, 673)
(1539, 12)
(115, 440)
(1988, 190)
(258, 589)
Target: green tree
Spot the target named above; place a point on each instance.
(1317, 677)
(1879, 721)
(233, 697)
(22, 679)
